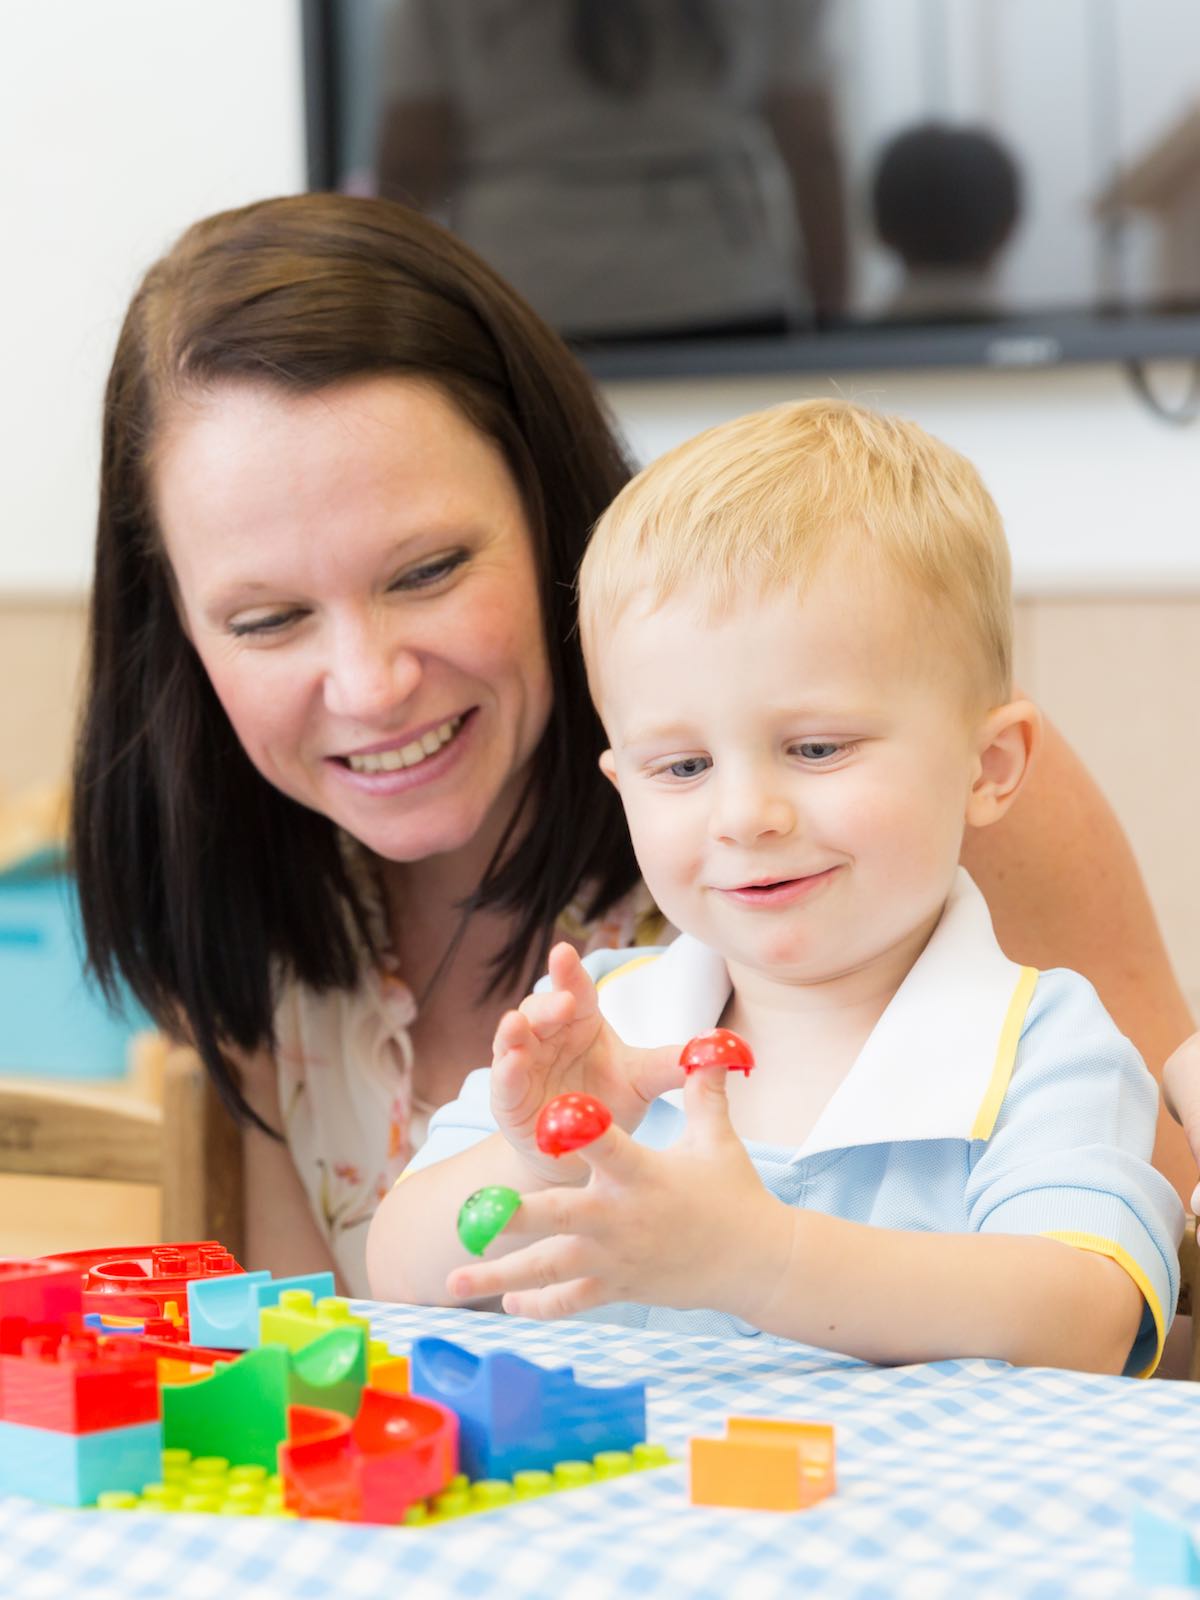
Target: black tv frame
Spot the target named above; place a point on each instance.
(1048, 339)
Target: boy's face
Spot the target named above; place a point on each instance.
(797, 773)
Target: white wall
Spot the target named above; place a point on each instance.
(123, 120)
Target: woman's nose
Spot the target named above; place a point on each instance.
(749, 810)
(369, 675)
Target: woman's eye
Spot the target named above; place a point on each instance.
(819, 749)
(689, 767)
(431, 572)
(274, 623)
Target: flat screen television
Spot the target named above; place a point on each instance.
(731, 186)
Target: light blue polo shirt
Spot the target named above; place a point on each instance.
(989, 1098)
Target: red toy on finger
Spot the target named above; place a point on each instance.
(570, 1121)
(719, 1047)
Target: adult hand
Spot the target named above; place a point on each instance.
(1181, 1091)
(557, 1042)
(691, 1226)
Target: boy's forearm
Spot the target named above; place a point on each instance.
(897, 1297)
(413, 1241)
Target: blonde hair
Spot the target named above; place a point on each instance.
(758, 503)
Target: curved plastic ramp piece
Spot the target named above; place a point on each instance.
(240, 1412)
(223, 1312)
(331, 1372)
(515, 1416)
(398, 1451)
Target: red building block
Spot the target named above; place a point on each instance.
(398, 1450)
(75, 1383)
(36, 1294)
(139, 1281)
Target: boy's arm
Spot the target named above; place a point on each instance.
(895, 1298)
(1064, 890)
(413, 1241)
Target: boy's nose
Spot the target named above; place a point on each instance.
(748, 813)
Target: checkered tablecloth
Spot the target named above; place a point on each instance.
(964, 1478)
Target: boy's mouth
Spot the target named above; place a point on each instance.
(778, 891)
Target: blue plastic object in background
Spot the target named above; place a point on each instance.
(53, 1020)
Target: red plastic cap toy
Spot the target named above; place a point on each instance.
(719, 1047)
(570, 1121)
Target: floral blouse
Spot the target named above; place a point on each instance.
(345, 1069)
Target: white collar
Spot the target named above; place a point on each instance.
(936, 1064)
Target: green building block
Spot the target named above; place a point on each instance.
(330, 1372)
(239, 1413)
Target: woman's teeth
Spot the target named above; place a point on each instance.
(409, 755)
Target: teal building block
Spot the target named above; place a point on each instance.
(1163, 1551)
(71, 1469)
(330, 1372)
(240, 1412)
(223, 1313)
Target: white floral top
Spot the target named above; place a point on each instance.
(345, 1067)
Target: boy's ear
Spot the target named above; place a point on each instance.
(609, 768)
(1008, 740)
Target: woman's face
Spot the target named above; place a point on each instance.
(357, 575)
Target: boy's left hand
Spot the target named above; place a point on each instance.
(690, 1226)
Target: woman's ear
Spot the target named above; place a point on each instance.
(1008, 740)
(609, 768)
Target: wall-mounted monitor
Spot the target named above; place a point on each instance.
(720, 186)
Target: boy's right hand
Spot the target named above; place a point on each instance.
(557, 1042)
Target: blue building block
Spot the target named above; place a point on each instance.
(515, 1416)
(223, 1312)
(70, 1469)
(1163, 1550)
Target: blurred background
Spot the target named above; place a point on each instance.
(1051, 288)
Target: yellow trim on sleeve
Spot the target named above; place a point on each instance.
(627, 966)
(1006, 1055)
(1115, 1252)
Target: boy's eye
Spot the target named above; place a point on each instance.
(819, 749)
(689, 767)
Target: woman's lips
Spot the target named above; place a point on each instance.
(400, 779)
(786, 892)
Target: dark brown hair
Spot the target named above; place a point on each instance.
(200, 883)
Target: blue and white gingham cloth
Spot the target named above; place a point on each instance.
(962, 1478)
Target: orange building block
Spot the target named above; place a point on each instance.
(764, 1465)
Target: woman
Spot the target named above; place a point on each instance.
(336, 787)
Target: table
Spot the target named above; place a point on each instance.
(961, 1478)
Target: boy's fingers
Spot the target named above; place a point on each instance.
(567, 972)
(706, 1102)
(656, 1071)
(614, 1154)
(546, 1013)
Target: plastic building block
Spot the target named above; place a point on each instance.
(331, 1372)
(202, 1483)
(397, 1451)
(485, 1214)
(72, 1468)
(224, 1312)
(1163, 1551)
(516, 1416)
(717, 1047)
(73, 1383)
(570, 1121)
(764, 1465)
(296, 1320)
(239, 1412)
(36, 1294)
(464, 1499)
(141, 1280)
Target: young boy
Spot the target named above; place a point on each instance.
(797, 630)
